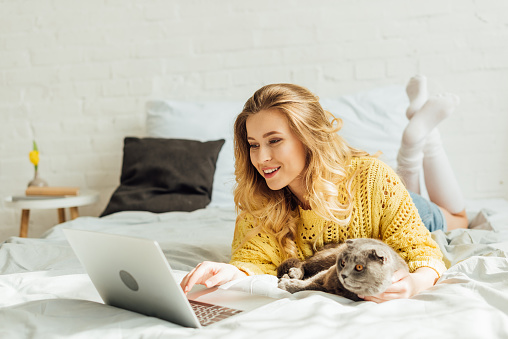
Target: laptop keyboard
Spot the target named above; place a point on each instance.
(208, 314)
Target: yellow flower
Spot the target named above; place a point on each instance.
(34, 156)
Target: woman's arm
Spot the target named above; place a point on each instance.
(258, 255)
(400, 225)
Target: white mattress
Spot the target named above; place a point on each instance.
(45, 292)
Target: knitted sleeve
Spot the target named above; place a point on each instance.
(400, 224)
(259, 255)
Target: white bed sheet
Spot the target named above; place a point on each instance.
(45, 292)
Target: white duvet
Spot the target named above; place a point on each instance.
(45, 293)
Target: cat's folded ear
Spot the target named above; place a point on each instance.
(378, 255)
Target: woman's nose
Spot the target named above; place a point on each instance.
(264, 154)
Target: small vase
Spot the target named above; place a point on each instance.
(37, 181)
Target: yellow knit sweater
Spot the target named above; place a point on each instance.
(382, 209)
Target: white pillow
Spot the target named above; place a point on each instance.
(203, 121)
(373, 121)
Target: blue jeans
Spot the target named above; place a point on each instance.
(432, 216)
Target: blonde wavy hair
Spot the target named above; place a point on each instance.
(328, 156)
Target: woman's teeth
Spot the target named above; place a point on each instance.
(268, 171)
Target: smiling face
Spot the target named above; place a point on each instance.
(276, 152)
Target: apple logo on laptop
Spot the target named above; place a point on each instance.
(129, 280)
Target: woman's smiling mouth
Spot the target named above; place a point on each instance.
(270, 172)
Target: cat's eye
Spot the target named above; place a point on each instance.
(359, 267)
(342, 263)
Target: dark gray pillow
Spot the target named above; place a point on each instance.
(163, 175)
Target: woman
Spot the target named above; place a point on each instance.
(301, 186)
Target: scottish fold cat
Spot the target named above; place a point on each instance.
(356, 267)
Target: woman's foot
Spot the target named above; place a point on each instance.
(416, 90)
(436, 109)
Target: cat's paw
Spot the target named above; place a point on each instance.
(286, 265)
(295, 273)
(290, 285)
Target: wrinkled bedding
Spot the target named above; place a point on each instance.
(45, 293)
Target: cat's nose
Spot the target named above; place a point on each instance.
(344, 276)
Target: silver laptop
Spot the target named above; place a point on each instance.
(133, 273)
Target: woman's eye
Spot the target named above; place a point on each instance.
(359, 268)
(274, 141)
(252, 146)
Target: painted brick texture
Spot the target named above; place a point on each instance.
(75, 75)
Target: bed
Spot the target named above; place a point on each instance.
(45, 292)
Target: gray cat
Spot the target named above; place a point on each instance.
(357, 267)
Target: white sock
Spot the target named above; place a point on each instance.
(421, 124)
(435, 110)
(440, 181)
(416, 91)
(410, 156)
(409, 165)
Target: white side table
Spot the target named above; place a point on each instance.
(60, 203)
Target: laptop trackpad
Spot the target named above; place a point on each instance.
(229, 298)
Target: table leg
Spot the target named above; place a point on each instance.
(61, 215)
(23, 229)
(74, 212)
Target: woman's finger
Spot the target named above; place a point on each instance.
(196, 276)
(399, 275)
(383, 297)
(220, 277)
(185, 279)
(396, 287)
(373, 299)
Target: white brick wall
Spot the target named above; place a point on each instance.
(75, 75)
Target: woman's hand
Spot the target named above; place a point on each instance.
(210, 274)
(405, 285)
